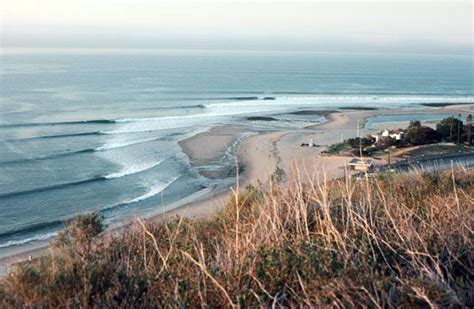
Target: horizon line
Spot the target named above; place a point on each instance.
(5, 50)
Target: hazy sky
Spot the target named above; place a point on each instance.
(389, 26)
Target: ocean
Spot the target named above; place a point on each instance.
(100, 131)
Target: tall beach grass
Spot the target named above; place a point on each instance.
(393, 240)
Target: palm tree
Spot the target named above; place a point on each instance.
(469, 129)
(459, 130)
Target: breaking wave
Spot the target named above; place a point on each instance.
(125, 143)
(152, 192)
(127, 171)
(37, 124)
(52, 136)
(28, 240)
(133, 170)
(87, 150)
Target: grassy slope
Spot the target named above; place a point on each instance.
(395, 240)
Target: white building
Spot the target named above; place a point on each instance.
(398, 134)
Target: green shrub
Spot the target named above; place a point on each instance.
(337, 148)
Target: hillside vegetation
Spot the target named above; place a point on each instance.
(389, 241)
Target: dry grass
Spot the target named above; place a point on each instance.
(392, 241)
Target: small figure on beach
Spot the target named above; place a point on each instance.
(310, 144)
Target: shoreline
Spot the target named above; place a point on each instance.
(260, 155)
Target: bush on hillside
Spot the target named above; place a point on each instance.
(360, 142)
(395, 240)
(336, 148)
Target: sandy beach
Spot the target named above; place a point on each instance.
(206, 150)
(260, 154)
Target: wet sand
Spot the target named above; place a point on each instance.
(207, 150)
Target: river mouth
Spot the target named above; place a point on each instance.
(84, 133)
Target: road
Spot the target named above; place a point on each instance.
(432, 163)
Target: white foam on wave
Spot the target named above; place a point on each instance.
(218, 112)
(125, 143)
(126, 120)
(154, 190)
(213, 113)
(20, 242)
(318, 100)
(134, 169)
(137, 125)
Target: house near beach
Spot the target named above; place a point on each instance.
(398, 135)
(361, 164)
(377, 137)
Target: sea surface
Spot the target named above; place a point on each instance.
(100, 131)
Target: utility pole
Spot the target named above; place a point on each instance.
(389, 159)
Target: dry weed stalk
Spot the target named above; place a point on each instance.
(392, 240)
